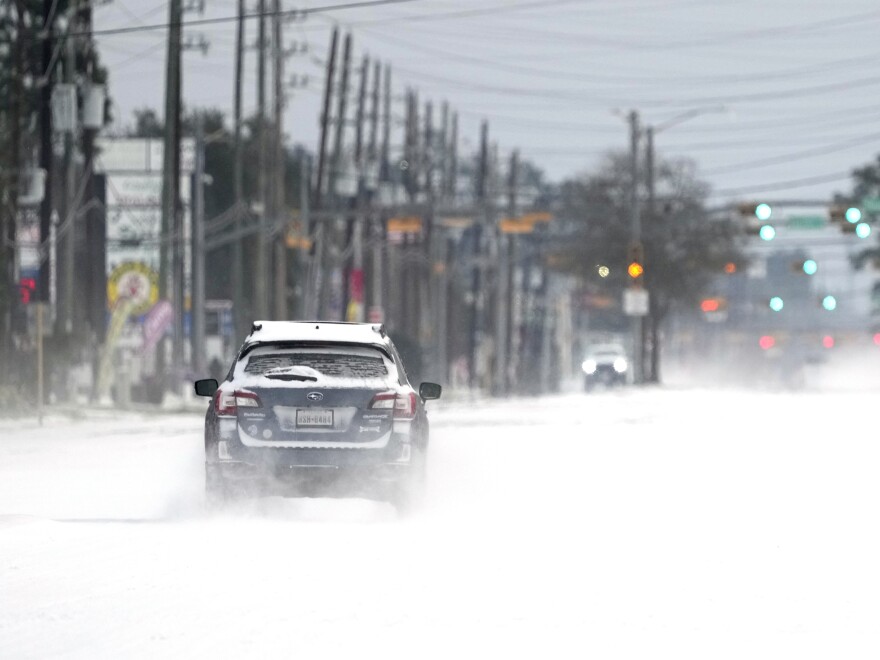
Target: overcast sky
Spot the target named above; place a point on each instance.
(798, 79)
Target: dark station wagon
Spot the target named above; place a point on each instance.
(316, 409)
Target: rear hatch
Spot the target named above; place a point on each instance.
(315, 397)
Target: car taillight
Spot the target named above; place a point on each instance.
(245, 399)
(226, 404)
(403, 405)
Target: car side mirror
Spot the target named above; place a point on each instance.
(429, 391)
(206, 387)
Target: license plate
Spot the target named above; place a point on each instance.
(314, 417)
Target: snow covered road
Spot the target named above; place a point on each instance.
(686, 524)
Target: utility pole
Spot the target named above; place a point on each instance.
(507, 292)
(261, 290)
(379, 250)
(45, 132)
(635, 235)
(331, 304)
(66, 297)
(325, 120)
(428, 279)
(385, 158)
(476, 333)
(316, 279)
(355, 276)
(279, 197)
(650, 334)
(453, 159)
(241, 316)
(170, 180)
(339, 127)
(373, 220)
(199, 359)
(9, 212)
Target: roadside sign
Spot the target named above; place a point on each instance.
(516, 226)
(806, 222)
(635, 302)
(405, 225)
(871, 204)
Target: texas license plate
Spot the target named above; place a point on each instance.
(314, 417)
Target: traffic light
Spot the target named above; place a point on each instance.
(767, 342)
(776, 304)
(710, 305)
(850, 219)
(636, 261)
(807, 266)
(730, 267)
(767, 233)
(828, 341)
(27, 287)
(755, 217)
(829, 303)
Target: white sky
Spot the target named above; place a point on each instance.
(797, 77)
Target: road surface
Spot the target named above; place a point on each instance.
(637, 524)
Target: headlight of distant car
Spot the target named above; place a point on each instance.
(589, 366)
(620, 365)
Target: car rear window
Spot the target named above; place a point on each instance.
(334, 365)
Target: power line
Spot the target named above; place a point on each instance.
(798, 155)
(784, 185)
(638, 42)
(568, 95)
(228, 19)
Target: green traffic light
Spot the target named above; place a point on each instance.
(810, 267)
(776, 304)
(829, 303)
(853, 215)
(767, 233)
(863, 230)
(763, 211)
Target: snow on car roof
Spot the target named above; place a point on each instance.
(317, 331)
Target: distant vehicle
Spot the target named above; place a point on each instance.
(605, 364)
(316, 409)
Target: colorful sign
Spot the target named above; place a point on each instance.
(156, 323)
(136, 281)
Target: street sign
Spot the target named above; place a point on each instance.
(539, 216)
(405, 225)
(635, 302)
(806, 222)
(871, 204)
(516, 226)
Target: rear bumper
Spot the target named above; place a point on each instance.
(237, 462)
(310, 476)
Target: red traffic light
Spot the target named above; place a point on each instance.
(27, 286)
(766, 342)
(828, 341)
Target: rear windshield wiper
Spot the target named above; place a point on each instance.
(289, 376)
(293, 372)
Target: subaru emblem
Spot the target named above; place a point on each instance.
(315, 396)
